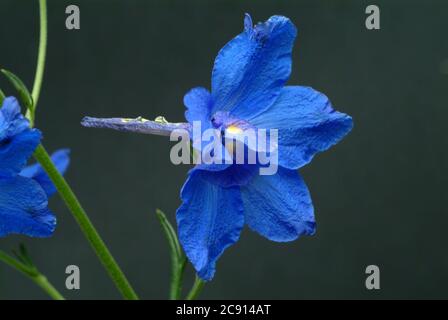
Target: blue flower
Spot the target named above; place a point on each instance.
(248, 90)
(23, 191)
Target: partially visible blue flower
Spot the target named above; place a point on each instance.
(60, 158)
(17, 140)
(23, 191)
(248, 91)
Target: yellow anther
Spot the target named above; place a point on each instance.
(234, 130)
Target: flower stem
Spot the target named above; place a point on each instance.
(85, 224)
(196, 289)
(43, 282)
(40, 58)
(33, 274)
(42, 51)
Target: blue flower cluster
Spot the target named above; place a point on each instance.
(24, 191)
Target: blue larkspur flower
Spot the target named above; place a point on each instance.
(24, 190)
(248, 91)
(248, 87)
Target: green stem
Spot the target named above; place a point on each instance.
(85, 224)
(196, 289)
(42, 282)
(40, 57)
(33, 274)
(177, 276)
(62, 186)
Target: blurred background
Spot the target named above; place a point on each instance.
(380, 195)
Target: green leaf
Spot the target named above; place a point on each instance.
(170, 234)
(2, 97)
(178, 259)
(17, 264)
(23, 256)
(23, 264)
(23, 91)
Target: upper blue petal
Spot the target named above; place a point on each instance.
(251, 69)
(306, 123)
(17, 140)
(279, 206)
(24, 208)
(198, 102)
(209, 220)
(60, 158)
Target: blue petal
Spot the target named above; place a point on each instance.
(16, 150)
(210, 219)
(251, 69)
(279, 206)
(233, 175)
(12, 121)
(198, 102)
(24, 208)
(17, 140)
(60, 158)
(306, 123)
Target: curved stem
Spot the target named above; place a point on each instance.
(196, 289)
(41, 55)
(85, 224)
(62, 186)
(33, 274)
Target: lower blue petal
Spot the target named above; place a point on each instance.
(24, 208)
(60, 158)
(306, 123)
(279, 206)
(15, 151)
(210, 219)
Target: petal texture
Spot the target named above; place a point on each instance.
(306, 123)
(17, 140)
(24, 208)
(198, 102)
(251, 69)
(210, 219)
(279, 206)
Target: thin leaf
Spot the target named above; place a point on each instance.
(25, 255)
(170, 234)
(16, 264)
(2, 97)
(178, 259)
(23, 91)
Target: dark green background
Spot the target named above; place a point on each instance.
(380, 195)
